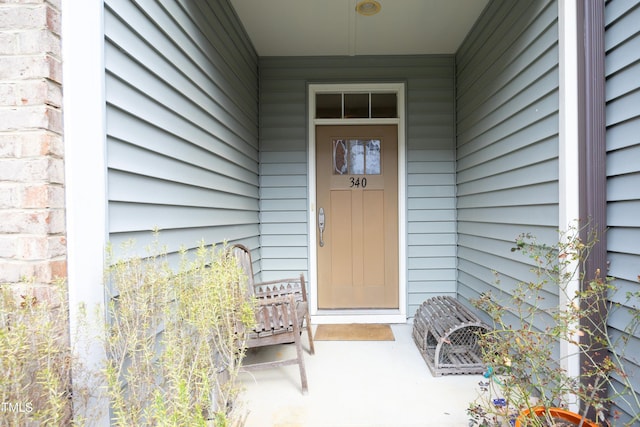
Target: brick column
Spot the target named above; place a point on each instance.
(32, 218)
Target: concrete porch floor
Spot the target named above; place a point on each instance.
(379, 383)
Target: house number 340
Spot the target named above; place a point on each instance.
(357, 182)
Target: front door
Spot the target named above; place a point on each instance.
(357, 208)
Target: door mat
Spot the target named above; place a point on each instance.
(354, 332)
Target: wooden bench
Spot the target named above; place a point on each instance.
(281, 314)
(446, 333)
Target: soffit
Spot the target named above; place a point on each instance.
(332, 27)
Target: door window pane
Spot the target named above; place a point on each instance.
(340, 163)
(356, 157)
(373, 157)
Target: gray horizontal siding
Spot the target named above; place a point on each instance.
(622, 67)
(507, 141)
(430, 169)
(283, 180)
(182, 123)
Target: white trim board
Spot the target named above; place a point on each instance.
(86, 193)
(568, 160)
(371, 315)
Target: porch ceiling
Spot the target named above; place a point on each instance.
(332, 27)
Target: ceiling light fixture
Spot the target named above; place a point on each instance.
(368, 7)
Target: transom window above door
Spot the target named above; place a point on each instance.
(356, 105)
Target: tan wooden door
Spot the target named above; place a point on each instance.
(357, 207)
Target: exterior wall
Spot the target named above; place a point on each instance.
(507, 141)
(430, 169)
(182, 123)
(32, 224)
(622, 68)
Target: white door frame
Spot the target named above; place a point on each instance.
(370, 315)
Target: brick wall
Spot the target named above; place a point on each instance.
(32, 219)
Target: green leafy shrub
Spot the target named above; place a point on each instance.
(172, 341)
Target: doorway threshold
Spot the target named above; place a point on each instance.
(358, 316)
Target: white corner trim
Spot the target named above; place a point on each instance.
(358, 316)
(569, 184)
(85, 186)
(568, 114)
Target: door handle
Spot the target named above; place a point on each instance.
(321, 225)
